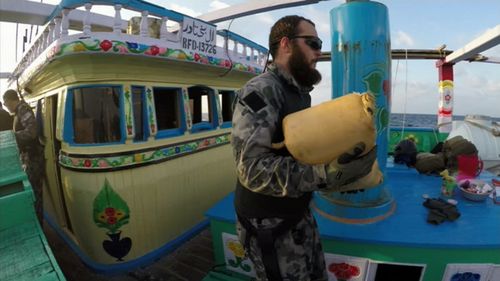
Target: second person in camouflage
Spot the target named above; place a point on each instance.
(25, 128)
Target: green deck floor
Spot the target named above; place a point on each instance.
(24, 251)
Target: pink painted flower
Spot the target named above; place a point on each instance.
(122, 49)
(103, 164)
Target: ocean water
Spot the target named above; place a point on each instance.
(420, 120)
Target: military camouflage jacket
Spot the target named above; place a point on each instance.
(257, 120)
(25, 128)
(5, 120)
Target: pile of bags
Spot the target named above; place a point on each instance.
(443, 156)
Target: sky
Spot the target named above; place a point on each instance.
(423, 24)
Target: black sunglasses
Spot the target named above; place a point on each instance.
(312, 41)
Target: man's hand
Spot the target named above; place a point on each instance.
(350, 167)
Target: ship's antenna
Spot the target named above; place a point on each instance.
(227, 52)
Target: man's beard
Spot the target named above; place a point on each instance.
(301, 69)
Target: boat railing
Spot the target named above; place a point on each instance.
(228, 45)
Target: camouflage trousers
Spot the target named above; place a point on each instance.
(299, 250)
(34, 166)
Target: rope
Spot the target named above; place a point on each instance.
(494, 131)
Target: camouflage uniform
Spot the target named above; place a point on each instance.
(5, 120)
(281, 184)
(31, 152)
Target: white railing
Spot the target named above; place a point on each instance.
(58, 28)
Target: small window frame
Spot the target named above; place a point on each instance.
(204, 126)
(171, 132)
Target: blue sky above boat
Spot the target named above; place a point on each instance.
(424, 24)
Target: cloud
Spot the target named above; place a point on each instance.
(265, 18)
(402, 39)
(217, 5)
(183, 9)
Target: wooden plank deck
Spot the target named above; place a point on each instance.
(190, 262)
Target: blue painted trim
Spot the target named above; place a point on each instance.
(136, 5)
(68, 118)
(126, 266)
(123, 123)
(145, 121)
(241, 39)
(226, 124)
(202, 126)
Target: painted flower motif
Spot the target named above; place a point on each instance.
(87, 163)
(154, 50)
(132, 45)
(138, 157)
(103, 164)
(236, 248)
(122, 49)
(177, 149)
(79, 47)
(227, 63)
(197, 57)
(162, 51)
(129, 130)
(386, 86)
(344, 271)
(111, 215)
(466, 276)
(106, 45)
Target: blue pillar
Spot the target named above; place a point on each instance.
(361, 62)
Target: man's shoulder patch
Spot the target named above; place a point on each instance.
(254, 101)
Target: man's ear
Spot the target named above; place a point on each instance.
(285, 45)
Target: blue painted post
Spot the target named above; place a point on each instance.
(361, 62)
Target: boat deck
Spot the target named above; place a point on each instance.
(190, 262)
(407, 225)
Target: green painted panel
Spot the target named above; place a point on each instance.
(217, 228)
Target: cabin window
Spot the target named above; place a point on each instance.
(169, 117)
(226, 99)
(96, 115)
(139, 111)
(203, 108)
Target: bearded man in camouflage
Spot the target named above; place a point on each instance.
(25, 128)
(273, 191)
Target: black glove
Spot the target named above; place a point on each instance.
(350, 167)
